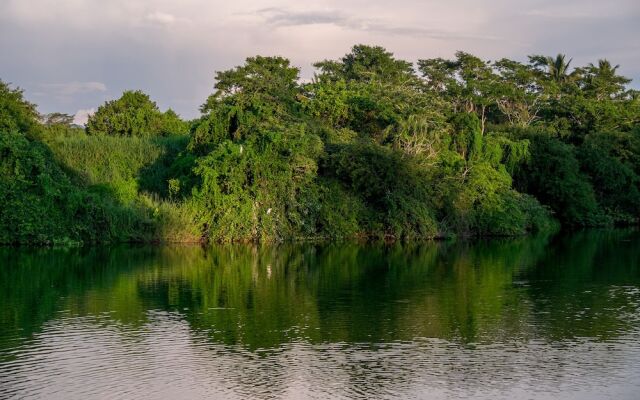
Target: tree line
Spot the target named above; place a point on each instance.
(371, 147)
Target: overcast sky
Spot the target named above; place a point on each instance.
(72, 55)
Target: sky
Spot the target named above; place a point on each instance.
(72, 55)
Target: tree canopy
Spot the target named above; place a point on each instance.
(373, 146)
(133, 114)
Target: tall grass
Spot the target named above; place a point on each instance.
(131, 174)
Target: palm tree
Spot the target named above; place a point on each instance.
(603, 81)
(559, 68)
(604, 68)
(556, 68)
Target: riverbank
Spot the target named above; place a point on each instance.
(374, 146)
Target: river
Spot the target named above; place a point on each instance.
(525, 318)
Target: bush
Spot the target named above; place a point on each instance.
(615, 183)
(553, 176)
(40, 204)
(391, 185)
(134, 114)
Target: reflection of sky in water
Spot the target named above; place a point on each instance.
(85, 357)
(511, 319)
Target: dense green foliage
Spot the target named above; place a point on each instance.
(60, 186)
(134, 114)
(369, 148)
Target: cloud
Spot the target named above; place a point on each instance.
(171, 49)
(279, 17)
(580, 10)
(82, 116)
(161, 18)
(73, 88)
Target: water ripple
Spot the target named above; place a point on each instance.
(79, 358)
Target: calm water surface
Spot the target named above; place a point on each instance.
(534, 318)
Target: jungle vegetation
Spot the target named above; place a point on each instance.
(371, 147)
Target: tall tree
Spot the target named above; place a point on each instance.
(468, 81)
(57, 118)
(602, 81)
(519, 92)
(369, 63)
